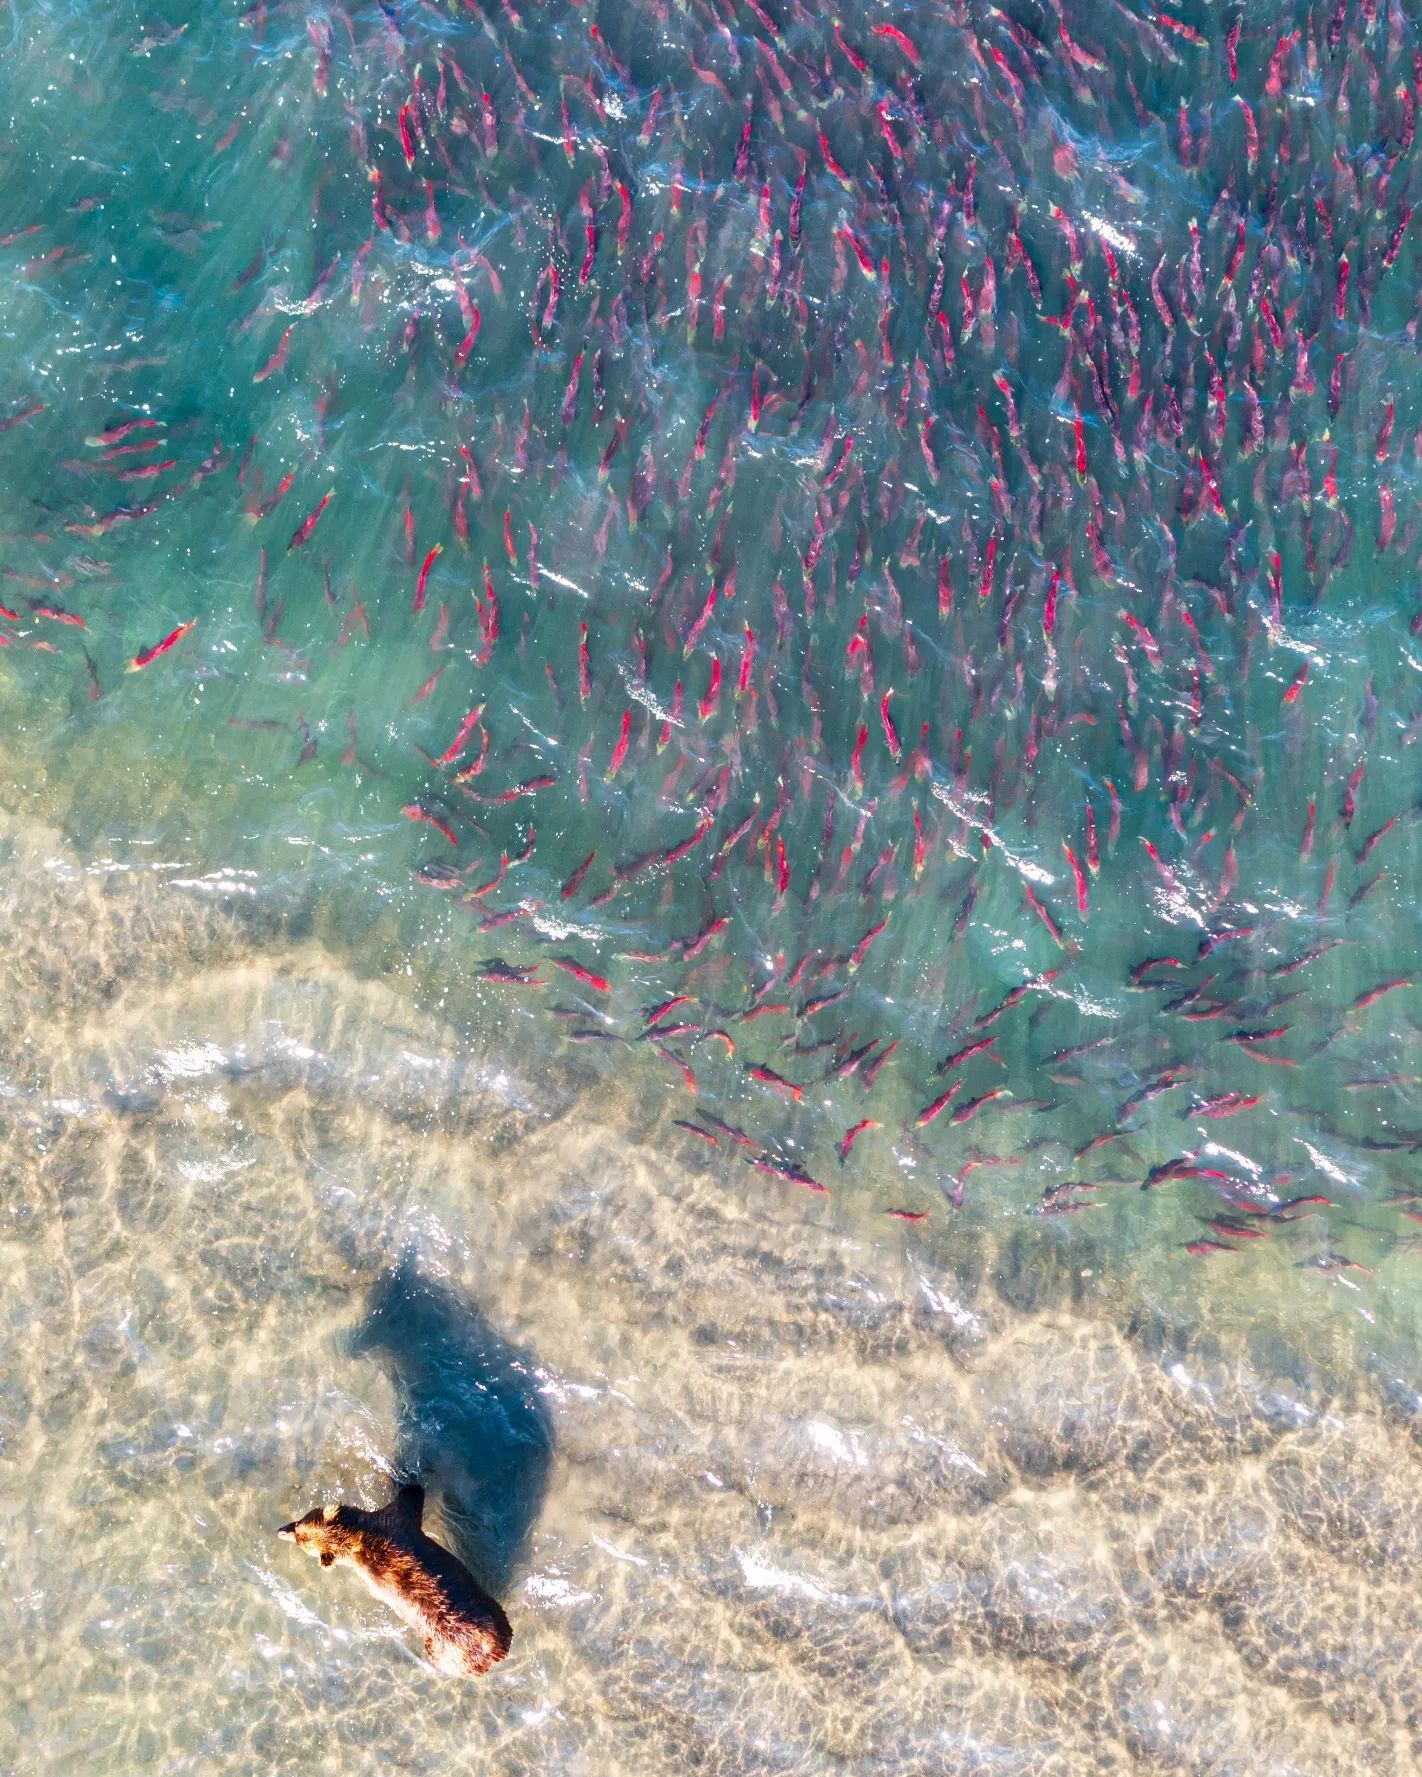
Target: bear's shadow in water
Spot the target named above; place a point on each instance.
(472, 1427)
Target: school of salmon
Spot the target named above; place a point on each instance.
(1059, 440)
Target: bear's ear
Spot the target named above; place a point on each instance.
(327, 1558)
(329, 1514)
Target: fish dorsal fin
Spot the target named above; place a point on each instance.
(404, 1512)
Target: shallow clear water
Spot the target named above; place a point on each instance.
(884, 549)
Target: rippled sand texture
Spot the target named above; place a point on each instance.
(812, 1502)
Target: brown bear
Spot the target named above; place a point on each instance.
(465, 1630)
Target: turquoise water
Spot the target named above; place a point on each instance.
(785, 635)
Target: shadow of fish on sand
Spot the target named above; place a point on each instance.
(472, 1426)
